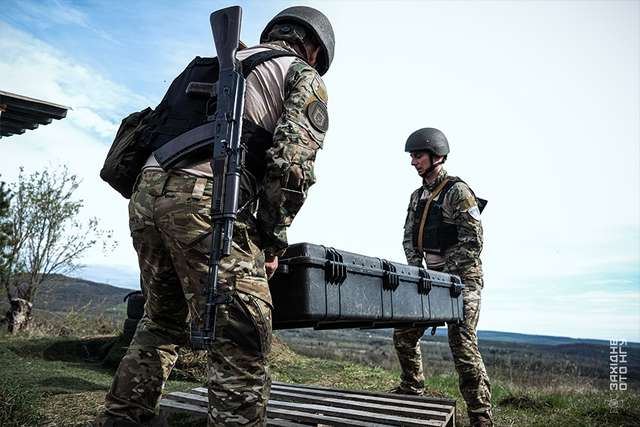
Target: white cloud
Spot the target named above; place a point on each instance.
(33, 68)
(89, 119)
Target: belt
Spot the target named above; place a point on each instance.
(177, 182)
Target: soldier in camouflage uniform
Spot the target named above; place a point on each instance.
(171, 229)
(443, 228)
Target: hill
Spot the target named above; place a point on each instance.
(62, 293)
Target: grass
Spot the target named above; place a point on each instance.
(67, 392)
(58, 381)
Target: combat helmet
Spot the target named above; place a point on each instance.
(314, 21)
(428, 139)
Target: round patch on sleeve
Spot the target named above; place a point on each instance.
(318, 116)
(474, 212)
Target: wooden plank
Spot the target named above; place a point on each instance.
(314, 405)
(169, 405)
(366, 406)
(321, 419)
(388, 399)
(434, 403)
(352, 414)
(195, 407)
(200, 390)
(374, 409)
(437, 400)
(283, 423)
(194, 399)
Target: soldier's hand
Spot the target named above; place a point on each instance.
(271, 265)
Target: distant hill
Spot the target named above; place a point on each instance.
(512, 337)
(441, 333)
(61, 293)
(122, 276)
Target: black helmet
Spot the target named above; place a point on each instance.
(428, 139)
(317, 23)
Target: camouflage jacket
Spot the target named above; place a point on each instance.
(459, 208)
(298, 135)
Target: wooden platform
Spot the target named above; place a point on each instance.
(302, 405)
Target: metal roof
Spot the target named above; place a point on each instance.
(18, 113)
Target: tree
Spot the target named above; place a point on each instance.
(5, 232)
(5, 224)
(45, 237)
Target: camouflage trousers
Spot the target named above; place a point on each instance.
(170, 227)
(463, 341)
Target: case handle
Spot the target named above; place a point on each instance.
(424, 282)
(335, 271)
(390, 279)
(456, 287)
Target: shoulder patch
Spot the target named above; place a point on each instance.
(467, 203)
(319, 89)
(474, 212)
(318, 116)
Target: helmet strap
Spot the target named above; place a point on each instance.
(433, 165)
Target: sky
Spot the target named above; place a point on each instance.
(540, 102)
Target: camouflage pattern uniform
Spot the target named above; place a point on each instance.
(462, 259)
(170, 226)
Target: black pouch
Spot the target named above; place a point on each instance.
(128, 153)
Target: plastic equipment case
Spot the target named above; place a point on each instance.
(325, 288)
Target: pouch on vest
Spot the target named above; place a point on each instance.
(128, 152)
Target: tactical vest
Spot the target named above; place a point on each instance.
(141, 133)
(437, 235)
(179, 112)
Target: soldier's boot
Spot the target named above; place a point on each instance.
(480, 419)
(415, 388)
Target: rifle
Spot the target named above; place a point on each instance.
(228, 153)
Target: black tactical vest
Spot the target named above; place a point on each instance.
(179, 112)
(438, 236)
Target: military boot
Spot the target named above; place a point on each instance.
(403, 389)
(480, 420)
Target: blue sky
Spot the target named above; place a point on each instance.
(540, 101)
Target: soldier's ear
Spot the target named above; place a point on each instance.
(312, 50)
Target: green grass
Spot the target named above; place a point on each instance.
(68, 392)
(56, 380)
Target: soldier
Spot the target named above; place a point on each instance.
(285, 125)
(443, 228)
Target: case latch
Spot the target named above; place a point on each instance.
(282, 269)
(424, 282)
(456, 287)
(390, 279)
(335, 271)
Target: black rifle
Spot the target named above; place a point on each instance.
(226, 126)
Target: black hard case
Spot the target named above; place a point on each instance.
(325, 288)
